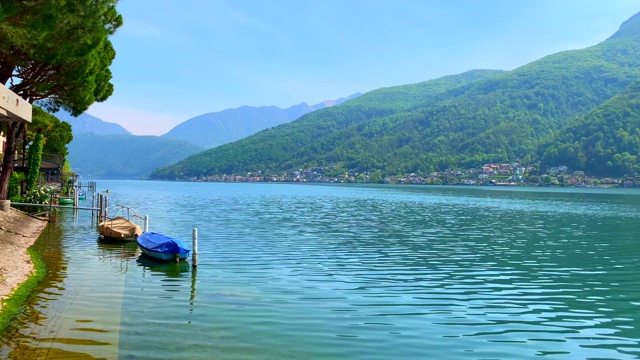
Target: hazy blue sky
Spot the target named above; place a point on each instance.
(177, 59)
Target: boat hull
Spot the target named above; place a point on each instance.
(162, 256)
(65, 201)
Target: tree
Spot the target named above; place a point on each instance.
(57, 134)
(375, 176)
(35, 159)
(55, 52)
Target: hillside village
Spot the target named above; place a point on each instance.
(513, 174)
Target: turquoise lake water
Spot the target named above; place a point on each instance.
(291, 271)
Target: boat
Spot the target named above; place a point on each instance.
(162, 247)
(123, 227)
(65, 200)
(119, 228)
(81, 195)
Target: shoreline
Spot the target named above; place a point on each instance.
(18, 232)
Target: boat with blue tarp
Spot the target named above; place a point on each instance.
(163, 247)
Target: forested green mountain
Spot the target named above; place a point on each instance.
(321, 123)
(124, 156)
(222, 127)
(463, 120)
(606, 141)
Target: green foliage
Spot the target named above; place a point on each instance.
(376, 177)
(57, 133)
(39, 195)
(35, 158)
(66, 171)
(604, 142)
(14, 185)
(58, 51)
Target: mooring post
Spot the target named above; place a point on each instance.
(50, 205)
(99, 215)
(146, 223)
(95, 203)
(194, 259)
(106, 207)
(101, 207)
(94, 200)
(93, 194)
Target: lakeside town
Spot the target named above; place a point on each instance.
(513, 174)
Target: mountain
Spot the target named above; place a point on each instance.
(447, 122)
(106, 150)
(606, 141)
(629, 28)
(217, 128)
(103, 150)
(88, 124)
(124, 156)
(272, 147)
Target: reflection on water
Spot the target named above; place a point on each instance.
(169, 269)
(38, 326)
(325, 272)
(117, 254)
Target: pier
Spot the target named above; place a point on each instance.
(103, 216)
(99, 203)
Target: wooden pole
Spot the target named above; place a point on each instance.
(94, 201)
(194, 258)
(101, 207)
(106, 207)
(50, 206)
(146, 223)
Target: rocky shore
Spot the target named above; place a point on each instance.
(18, 231)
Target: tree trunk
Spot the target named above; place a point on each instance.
(14, 132)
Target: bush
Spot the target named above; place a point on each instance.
(14, 185)
(39, 195)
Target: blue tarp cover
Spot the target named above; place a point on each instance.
(162, 243)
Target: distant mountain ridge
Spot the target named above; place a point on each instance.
(124, 156)
(89, 124)
(222, 127)
(106, 150)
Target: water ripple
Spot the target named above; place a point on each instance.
(326, 272)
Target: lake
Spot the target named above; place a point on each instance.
(290, 271)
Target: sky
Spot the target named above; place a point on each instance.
(177, 59)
